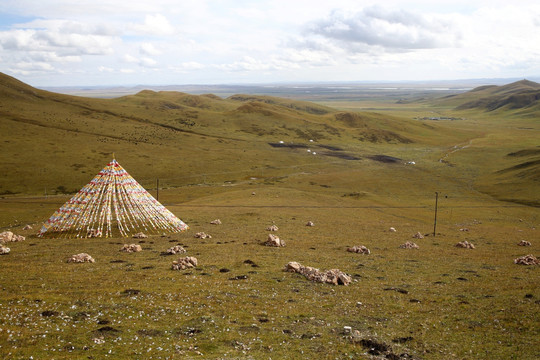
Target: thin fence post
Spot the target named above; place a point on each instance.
(157, 189)
(435, 222)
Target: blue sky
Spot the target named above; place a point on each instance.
(161, 42)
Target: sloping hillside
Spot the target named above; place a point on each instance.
(522, 95)
(54, 143)
(518, 179)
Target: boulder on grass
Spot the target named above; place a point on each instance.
(184, 263)
(333, 276)
(81, 258)
(202, 235)
(409, 245)
(392, 229)
(131, 248)
(140, 235)
(8, 236)
(177, 249)
(359, 249)
(465, 245)
(418, 235)
(527, 260)
(272, 228)
(4, 250)
(310, 223)
(524, 243)
(275, 241)
(27, 227)
(215, 222)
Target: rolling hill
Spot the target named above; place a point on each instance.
(55, 142)
(523, 96)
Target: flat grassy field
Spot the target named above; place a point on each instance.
(214, 160)
(435, 302)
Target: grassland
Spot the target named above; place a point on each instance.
(214, 160)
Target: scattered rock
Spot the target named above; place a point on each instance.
(418, 235)
(8, 236)
(464, 229)
(27, 227)
(177, 249)
(140, 235)
(527, 260)
(4, 250)
(272, 228)
(359, 249)
(465, 244)
(409, 245)
(275, 241)
(215, 222)
(81, 258)
(333, 276)
(184, 263)
(99, 340)
(202, 235)
(524, 243)
(310, 223)
(239, 277)
(392, 229)
(131, 248)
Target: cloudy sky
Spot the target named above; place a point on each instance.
(159, 42)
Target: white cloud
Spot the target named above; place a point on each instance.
(27, 68)
(171, 41)
(147, 62)
(394, 29)
(149, 49)
(156, 25)
(130, 59)
(141, 61)
(187, 66)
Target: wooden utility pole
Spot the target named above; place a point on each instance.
(436, 204)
